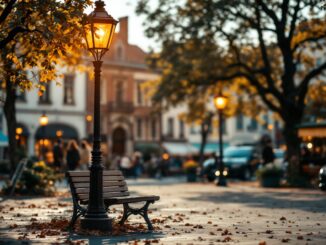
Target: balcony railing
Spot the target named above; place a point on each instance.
(121, 107)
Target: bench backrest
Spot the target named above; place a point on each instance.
(114, 184)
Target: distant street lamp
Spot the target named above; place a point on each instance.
(220, 102)
(44, 120)
(19, 132)
(99, 28)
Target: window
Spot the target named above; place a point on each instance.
(139, 94)
(139, 128)
(153, 129)
(170, 127)
(181, 129)
(253, 125)
(119, 53)
(45, 97)
(192, 129)
(68, 90)
(20, 95)
(239, 121)
(265, 118)
(119, 92)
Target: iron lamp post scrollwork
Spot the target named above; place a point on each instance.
(99, 28)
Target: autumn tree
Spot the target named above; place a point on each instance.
(36, 36)
(270, 46)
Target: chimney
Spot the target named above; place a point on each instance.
(123, 33)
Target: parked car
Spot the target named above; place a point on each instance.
(322, 178)
(241, 161)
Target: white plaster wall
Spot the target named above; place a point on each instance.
(29, 112)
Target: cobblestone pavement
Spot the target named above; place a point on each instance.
(188, 213)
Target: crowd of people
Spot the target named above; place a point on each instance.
(73, 157)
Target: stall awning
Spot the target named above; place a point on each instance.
(51, 132)
(316, 130)
(3, 139)
(148, 147)
(312, 132)
(180, 149)
(209, 147)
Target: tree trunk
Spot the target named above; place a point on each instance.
(294, 172)
(204, 133)
(292, 140)
(10, 114)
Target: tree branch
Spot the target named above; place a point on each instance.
(262, 91)
(11, 35)
(7, 10)
(269, 12)
(294, 20)
(303, 88)
(309, 39)
(285, 8)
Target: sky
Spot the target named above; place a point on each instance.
(121, 8)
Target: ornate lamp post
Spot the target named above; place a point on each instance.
(44, 120)
(99, 28)
(220, 102)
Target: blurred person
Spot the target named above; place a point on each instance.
(73, 156)
(115, 163)
(85, 155)
(163, 166)
(136, 165)
(58, 154)
(152, 167)
(268, 153)
(126, 166)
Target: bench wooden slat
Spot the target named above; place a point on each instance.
(105, 189)
(131, 199)
(84, 197)
(86, 173)
(105, 178)
(105, 184)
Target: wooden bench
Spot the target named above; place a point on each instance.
(115, 191)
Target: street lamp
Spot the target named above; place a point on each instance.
(44, 120)
(220, 102)
(99, 28)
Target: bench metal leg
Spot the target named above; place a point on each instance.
(143, 211)
(78, 211)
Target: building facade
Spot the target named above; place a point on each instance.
(64, 106)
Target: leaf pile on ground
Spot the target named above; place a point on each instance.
(117, 229)
(53, 228)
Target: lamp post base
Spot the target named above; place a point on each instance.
(221, 182)
(97, 223)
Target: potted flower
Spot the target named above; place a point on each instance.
(190, 167)
(270, 175)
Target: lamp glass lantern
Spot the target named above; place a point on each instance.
(220, 102)
(99, 28)
(44, 120)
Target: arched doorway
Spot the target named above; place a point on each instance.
(119, 141)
